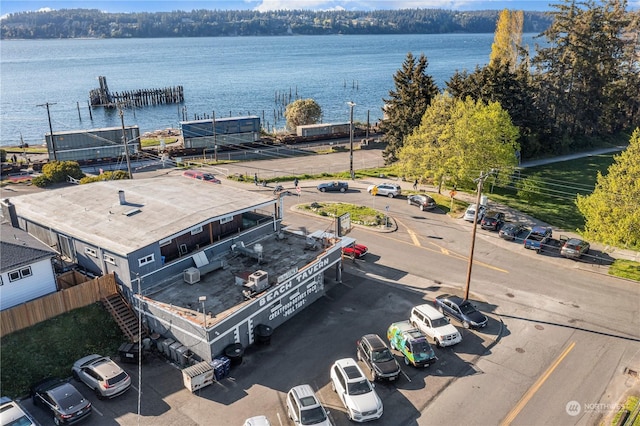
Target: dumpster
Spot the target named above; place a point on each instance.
(263, 334)
(198, 376)
(130, 352)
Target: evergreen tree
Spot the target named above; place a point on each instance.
(414, 90)
(612, 212)
(579, 73)
(497, 82)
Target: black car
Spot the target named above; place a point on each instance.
(424, 202)
(492, 220)
(511, 231)
(372, 350)
(62, 399)
(335, 186)
(460, 309)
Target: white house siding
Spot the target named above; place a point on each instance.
(40, 283)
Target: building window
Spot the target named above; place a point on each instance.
(91, 252)
(144, 260)
(19, 274)
(196, 230)
(226, 219)
(109, 259)
(165, 242)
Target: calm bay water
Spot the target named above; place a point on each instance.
(225, 76)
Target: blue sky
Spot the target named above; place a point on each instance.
(12, 6)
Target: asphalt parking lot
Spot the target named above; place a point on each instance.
(301, 351)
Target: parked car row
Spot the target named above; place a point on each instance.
(410, 338)
(65, 403)
(536, 238)
(387, 189)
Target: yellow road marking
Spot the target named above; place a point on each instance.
(414, 238)
(535, 387)
(443, 250)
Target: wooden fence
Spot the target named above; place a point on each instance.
(65, 300)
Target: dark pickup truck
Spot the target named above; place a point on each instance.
(538, 238)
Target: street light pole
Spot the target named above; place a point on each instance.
(125, 142)
(53, 138)
(351, 105)
(473, 232)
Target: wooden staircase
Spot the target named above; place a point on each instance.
(125, 317)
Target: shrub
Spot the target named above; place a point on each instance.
(57, 171)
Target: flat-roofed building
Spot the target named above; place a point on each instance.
(205, 264)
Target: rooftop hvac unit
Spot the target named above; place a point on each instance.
(258, 281)
(191, 275)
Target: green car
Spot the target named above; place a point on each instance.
(413, 345)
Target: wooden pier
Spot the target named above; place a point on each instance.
(136, 98)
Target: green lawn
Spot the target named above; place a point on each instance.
(625, 269)
(555, 202)
(50, 348)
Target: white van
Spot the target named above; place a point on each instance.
(434, 325)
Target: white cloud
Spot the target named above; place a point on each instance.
(365, 5)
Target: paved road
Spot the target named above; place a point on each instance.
(566, 332)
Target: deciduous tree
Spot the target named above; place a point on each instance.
(301, 112)
(612, 211)
(457, 139)
(507, 39)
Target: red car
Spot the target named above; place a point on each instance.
(355, 250)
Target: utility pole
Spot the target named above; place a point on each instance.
(215, 139)
(480, 181)
(124, 141)
(351, 105)
(53, 138)
(367, 136)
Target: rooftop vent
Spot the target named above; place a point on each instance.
(258, 281)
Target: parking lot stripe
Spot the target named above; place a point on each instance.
(534, 388)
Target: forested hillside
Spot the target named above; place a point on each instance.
(92, 23)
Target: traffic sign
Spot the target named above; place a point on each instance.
(452, 193)
(374, 190)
